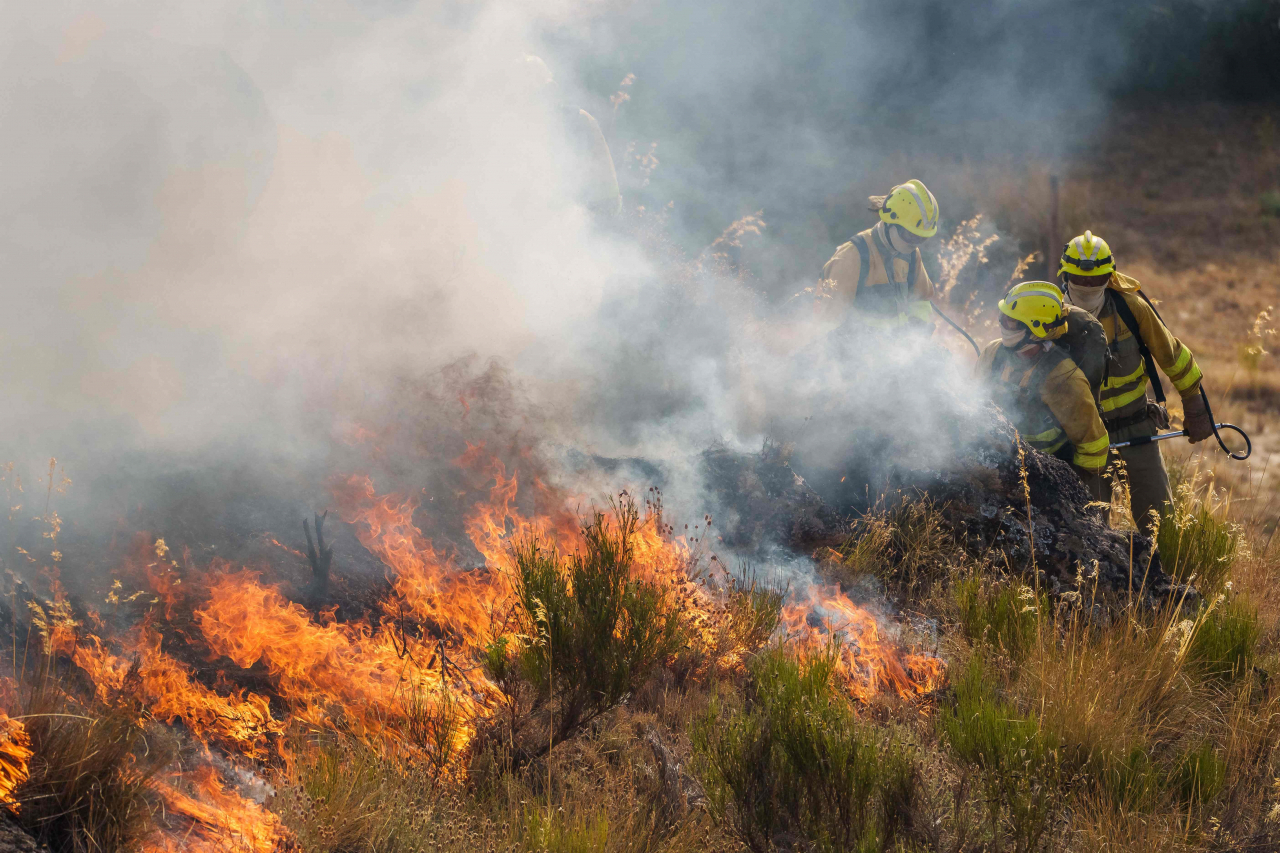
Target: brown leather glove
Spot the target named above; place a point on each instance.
(1195, 419)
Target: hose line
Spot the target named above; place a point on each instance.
(1248, 445)
(953, 325)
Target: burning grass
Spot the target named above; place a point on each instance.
(213, 710)
(604, 684)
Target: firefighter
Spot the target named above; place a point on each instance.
(1038, 385)
(877, 278)
(1138, 341)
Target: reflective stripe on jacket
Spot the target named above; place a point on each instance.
(1124, 393)
(1049, 401)
(884, 287)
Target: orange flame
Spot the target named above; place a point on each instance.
(222, 819)
(869, 663)
(374, 676)
(15, 753)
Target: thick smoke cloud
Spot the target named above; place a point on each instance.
(249, 225)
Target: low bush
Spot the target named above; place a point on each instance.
(340, 796)
(793, 764)
(89, 787)
(1199, 775)
(1002, 615)
(594, 631)
(905, 544)
(1196, 542)
(1016, 760)
(1269, 201)
(1225, 641)
(749, 617)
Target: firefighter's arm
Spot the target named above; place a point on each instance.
(1173, 356)
(839, 284)
(986, 360)
(924, 287)
(1066, 392)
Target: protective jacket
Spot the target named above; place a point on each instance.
(883, 287)
(1049, 401)
(1124, 393)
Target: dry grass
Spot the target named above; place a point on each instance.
(89, 786)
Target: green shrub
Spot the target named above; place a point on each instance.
(1199, 776)
(795, 762)
(1016, 760)
(1225, 641)
(1001, 615)
(596, 631)
(1130, 781)
(1196, 543)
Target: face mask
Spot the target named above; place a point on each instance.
(1012, 338)
(1088, 298)
(898, 242)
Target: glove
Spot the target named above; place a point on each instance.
(1195, 419)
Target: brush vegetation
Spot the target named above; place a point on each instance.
(1070, 722)
(89, 789)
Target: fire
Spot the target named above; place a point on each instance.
(240, 721)
(221, 820)
(15, 752)
(384, 676)
(868, 663)
(361, 676)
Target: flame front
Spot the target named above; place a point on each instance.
(421, 645)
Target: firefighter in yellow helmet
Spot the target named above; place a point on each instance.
(877, 278)
(1138, 341)
(1038, 385)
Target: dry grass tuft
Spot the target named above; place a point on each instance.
(89, 787)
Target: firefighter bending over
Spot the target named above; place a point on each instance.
(877, 278)
(1138, 340)
(1038, 385)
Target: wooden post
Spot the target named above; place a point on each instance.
(1054, 240)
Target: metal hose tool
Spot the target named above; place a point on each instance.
(1239, 457)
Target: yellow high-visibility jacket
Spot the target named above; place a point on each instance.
(1049, 401)
(1124, 393)
(882, 286)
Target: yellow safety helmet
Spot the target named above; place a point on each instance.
(1036, 305)
(1087, 254)
(912, 206)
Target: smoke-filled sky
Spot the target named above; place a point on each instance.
(247, 224)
